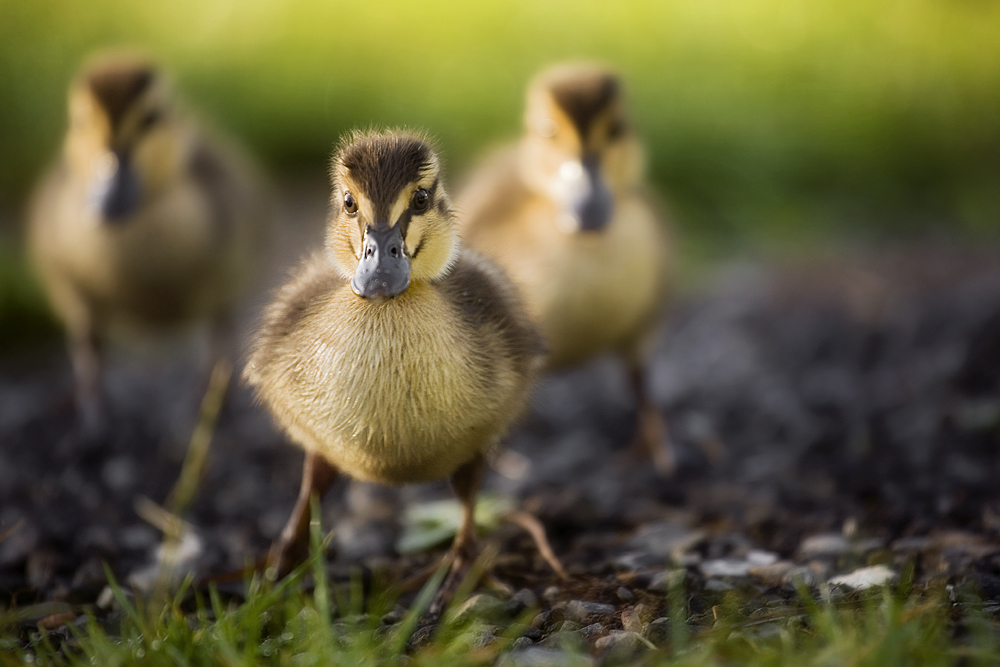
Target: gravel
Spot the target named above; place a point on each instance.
(819, 427)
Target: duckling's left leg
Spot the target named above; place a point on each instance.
(292, 547)
(465, 482)
(652, 434)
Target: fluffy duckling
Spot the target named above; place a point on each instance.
(392, 355)
(565, 214)
(144, 220)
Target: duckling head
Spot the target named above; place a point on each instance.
(578, 150)
(391, 222)
(125, 141)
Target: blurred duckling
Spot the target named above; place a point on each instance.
(565, 213)
(145, 220)
(392, 355)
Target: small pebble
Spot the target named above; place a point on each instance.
(725, 567)
(567, 641)
(521, 642)
(567, 626)
(658, 631)
(631, 621)
(542, 618)
(717, 585)
(580, 610)
(537, 656)
(394, 616)
(106, 598)
(864, 578)
(620, 643)
(479, 607)
(624, 594)
(773, 573)
(523, 599)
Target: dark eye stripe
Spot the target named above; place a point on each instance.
(419, 247)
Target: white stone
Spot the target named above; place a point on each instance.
(864, 578)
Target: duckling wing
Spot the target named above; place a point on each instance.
(238, 199)
(491, 310)
(492, 195)
(44, 207)
(313, 279)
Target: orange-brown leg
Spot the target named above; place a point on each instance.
(85, 354)
(465, 483)
(653, 435)
(292, 547)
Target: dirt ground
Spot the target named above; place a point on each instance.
(828, 417)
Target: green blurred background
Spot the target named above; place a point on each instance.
(768, 122)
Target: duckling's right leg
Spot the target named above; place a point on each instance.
(292, 547)
(85, 351)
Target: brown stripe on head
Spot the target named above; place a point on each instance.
(382, 164)
(116, 85)
(582, 92)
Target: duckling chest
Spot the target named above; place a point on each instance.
(165, 256)
(592, 292)
(397, 386)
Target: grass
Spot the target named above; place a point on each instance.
(291, 623)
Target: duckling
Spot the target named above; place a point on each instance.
(144, 221)
(565, 214)
(392, 355)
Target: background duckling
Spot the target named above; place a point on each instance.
(392, 355)
(565, 214)
(144, 220)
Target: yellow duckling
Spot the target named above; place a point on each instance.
(144, 220)
(565, 214)
(392, 355)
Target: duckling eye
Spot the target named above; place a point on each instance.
(420, 200)
(151, 118)
(350, 204)
(616, 129)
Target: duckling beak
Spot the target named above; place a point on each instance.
(384, 269)
(588, 201)
(114, 190)
(595, 207)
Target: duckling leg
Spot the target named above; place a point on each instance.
(85, 355)
(465, 482)
(292, 547)
(653, 435)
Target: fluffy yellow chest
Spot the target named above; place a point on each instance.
(389, 391)
(590, 292)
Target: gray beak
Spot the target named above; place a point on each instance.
(117, 194)
(384, 269)
(594, 211)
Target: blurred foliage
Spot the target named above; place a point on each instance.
(763, 118)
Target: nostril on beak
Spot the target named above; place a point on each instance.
(394, 251)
